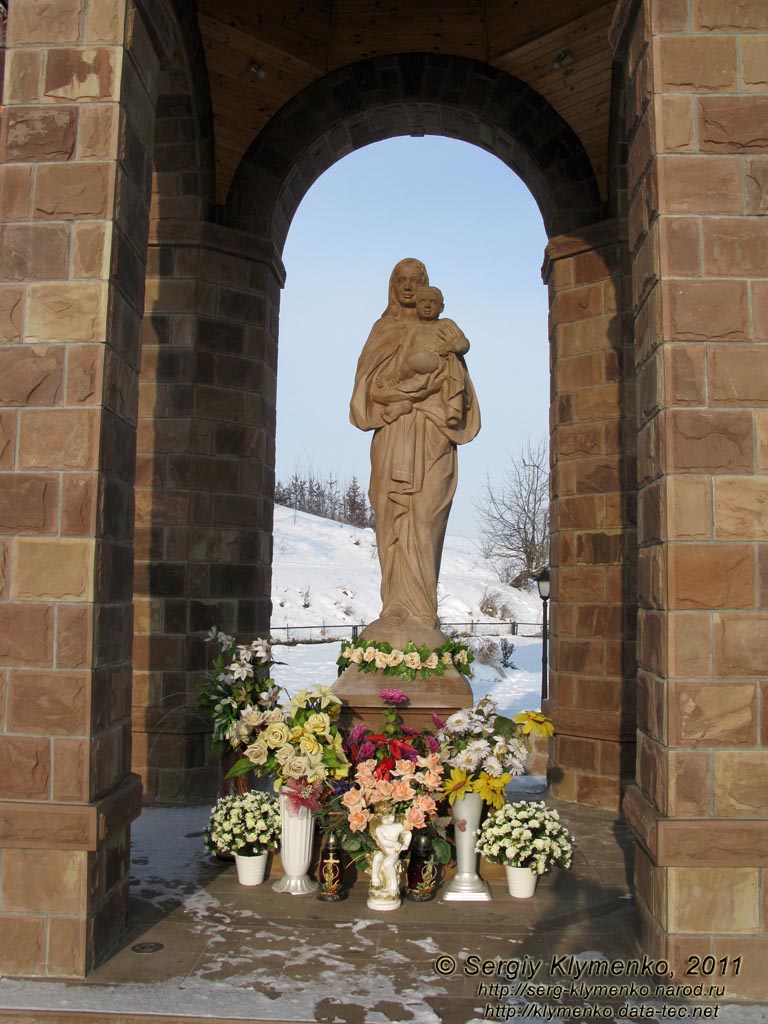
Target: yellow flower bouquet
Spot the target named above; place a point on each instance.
(300, 745)
(482, 749)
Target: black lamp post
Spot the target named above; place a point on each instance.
(542, 582)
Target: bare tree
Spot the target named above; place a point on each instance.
(514, 516)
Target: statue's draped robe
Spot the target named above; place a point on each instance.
(413, 476)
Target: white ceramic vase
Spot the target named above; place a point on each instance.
(466, 884)
(521, 882)
(251, 870)
(298, 830)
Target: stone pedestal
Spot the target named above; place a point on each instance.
(441, 694)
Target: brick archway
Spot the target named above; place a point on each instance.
(205, 482)
(412, 94)
(82, 81)
(593, 557)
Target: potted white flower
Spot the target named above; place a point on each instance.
(246, 825)
(529, 839)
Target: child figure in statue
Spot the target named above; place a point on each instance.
(430, 350)
(392, 839)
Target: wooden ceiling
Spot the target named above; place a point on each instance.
(298, 41)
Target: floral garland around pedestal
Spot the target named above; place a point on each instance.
(412, 661)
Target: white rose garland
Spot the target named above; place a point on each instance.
(408, 663)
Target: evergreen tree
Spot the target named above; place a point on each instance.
(345, 503)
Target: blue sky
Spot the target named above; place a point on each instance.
(477, 228)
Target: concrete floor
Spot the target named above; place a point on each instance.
(202, 947)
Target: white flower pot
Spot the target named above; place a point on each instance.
(521, 882)
(298, 830)
(466, 884)
(251, 870)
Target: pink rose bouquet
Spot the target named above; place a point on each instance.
(397, 769)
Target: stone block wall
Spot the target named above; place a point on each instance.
(74, 192)
(205, 483)
(592, 558)
(697, 88)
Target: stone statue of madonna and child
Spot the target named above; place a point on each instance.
(413, 390)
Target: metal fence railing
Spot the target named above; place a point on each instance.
(332, 633)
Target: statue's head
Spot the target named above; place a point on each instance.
(429, 302)
(406, 278)
(386, 812)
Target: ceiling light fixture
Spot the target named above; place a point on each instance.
(259, 70)
(562, 60)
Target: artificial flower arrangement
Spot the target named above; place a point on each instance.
(397, 769)
(300, 745)
(239, 680)
(525, 835)
(412, 661)
(246, 824)
(484, 749)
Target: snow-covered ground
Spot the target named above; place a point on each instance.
(326, 575)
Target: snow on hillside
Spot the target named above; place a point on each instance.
(326, 574)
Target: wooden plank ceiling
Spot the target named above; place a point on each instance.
(260, 53)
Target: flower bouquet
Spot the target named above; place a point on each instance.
(484, 749)
(526, 835)
(302, 747)
(245, 823)
(529, 839)
(247, 826)
(239, 680)
(395, 771)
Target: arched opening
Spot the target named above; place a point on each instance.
(412, 94)
(590, 377)
(479, 232)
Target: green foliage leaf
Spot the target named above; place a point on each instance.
(442, 850)
(505, 727)
(241, 767)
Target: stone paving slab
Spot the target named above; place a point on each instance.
(235, 954)
(229, 952)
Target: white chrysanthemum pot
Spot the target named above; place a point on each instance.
(521, 882)
(466, 884)
(251, 870)
(298, 830)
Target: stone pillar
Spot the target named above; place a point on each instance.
(74, 190)
(205, 483)
(697, 77)
(592, 635)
